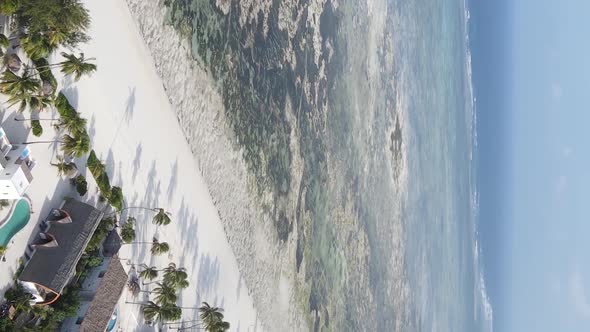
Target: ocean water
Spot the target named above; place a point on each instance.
(357, 122)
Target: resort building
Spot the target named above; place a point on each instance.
(101, 292)
(57, 249)
(15, 168)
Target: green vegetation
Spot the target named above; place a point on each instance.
(65, 168)
(163, 313)
(4, 203)
(159, 248)
(37, 128)
(77, 66)
(8, 7)
(148, 272)
(51, 24)
(103, 229)
(128, 231)
(81, 185)
(116, 198)
(161, 218)
(98, 171)
(177, 277)
(45, 75)
(212, 318)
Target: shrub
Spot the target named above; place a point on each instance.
(4, 203)
(81, 185)
(101, 232)
(64, 108)
(45, 73)
(128, 231)
(116, 198)
(37, 128)
(8, 7)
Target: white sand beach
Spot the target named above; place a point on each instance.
(135, 131)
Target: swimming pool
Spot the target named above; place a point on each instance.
(19, 218)
(112, 322)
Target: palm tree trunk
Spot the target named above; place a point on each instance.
(31, 119)
(41, 142)
(132, 207)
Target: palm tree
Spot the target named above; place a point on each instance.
(177, 277)
(40, 102)
(72, 146)
(163, 313)
(148, 272)
(21, 89)
(220, 326)
(11, 83)
(65, 168)
(73, 123)
(76, 65)
(75, 145)
(165, 294)
(212, 318)
(159, 248)
(36, 46)
(133, 286)
(161, 217)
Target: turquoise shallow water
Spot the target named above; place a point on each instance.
(20, 217)
(381, 188)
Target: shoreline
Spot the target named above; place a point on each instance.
(135, 131)
(199, 108)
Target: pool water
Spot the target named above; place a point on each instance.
(112, 322)
(20, 217)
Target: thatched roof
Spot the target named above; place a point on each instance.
(107, 295)
(54, 266)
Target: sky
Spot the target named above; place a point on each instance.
(532, 77)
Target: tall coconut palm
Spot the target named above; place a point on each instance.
(21, 89)
(159, 248)
(74, 124)
(77, 66)
(133, 286)
(75, 145)
(165, 294)
(211, 316)
(40, 102)
(65, 168)
(164, 313)
(12, 84)
(36, 46)
(161, 218)
(72, 146)
(177, 277)
(219, 326)
(148, 272)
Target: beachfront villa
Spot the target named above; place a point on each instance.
(15, 168)
(101, 292)
(64, 235)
